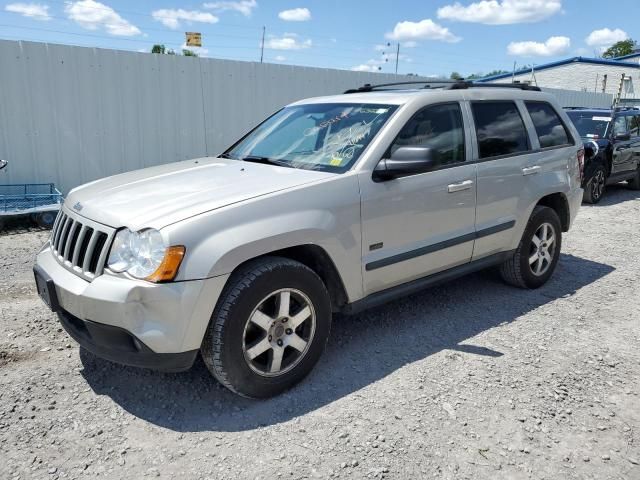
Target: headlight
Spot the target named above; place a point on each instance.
(144, 255)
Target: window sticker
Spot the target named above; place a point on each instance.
(601, 119)
(335, 161)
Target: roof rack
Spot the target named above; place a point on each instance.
(625, 108)
(367, 87)
(448, 84)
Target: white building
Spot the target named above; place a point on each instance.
(584, 74)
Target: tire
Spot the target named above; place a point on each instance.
(45, 219)
(519, 271)
(241, 353)
(595, 186)
(634, 183)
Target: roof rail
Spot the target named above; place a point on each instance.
(448, 84)
(462, 84)
(367, 87)
(625, 108)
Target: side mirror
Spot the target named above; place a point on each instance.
(404, 161)
(591, 149)
(3, 163)
(622, 136)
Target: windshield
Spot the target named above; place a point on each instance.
(590, 124)
(323, 136)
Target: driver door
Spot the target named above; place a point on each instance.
(421, 224)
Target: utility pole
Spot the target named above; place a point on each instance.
(397, 56)
(262, 45)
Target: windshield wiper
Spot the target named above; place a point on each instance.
(264, 160)
(226, 155)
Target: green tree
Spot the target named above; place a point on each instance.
(455, 76)
(618, 49)
(162, 50)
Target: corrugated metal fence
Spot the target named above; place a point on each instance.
(575, 98)
(72, 114)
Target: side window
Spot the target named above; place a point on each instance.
(549, 127)
(620, 125)
(499, 128)
(634, 125)
(438, 127)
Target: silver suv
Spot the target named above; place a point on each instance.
(332, 204)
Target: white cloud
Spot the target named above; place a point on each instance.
(37, 11)
(494, 12)
(605, 37)
(93, 15)
(410, 44)
(553, 46)
(288, 41)
(245, 7)
(365, 67)
(172, 17)
(425, 29)
(280, 58)
(295, 15)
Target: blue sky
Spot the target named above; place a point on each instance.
(435, 37)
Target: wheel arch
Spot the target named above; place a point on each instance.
(317, 259)
(559, 203)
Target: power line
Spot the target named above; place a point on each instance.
(207, 31)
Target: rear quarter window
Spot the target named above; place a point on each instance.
(549, 127)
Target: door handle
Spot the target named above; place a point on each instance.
(458, 187)
(531, 170)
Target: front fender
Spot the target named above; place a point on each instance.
(326, 215)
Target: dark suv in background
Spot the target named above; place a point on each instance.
(612, 148)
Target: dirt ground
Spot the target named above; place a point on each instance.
(470, 380)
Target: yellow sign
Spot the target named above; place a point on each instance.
(194, 39)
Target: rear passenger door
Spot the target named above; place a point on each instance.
(520, 148)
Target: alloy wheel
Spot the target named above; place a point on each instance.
(542, 249)
(279, 331)
(597, 184)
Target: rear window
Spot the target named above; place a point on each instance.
(499, 128)
(549, 127)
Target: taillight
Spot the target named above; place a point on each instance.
(581, 163)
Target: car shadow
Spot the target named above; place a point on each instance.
(615, 194)
(362, 350)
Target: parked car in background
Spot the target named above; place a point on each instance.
(612, 148)
(332, 204)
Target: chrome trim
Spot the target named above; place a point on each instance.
(73, 257)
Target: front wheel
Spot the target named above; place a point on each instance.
(594, 189)
(535, 259)
(269, 328)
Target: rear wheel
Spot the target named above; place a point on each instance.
(269, 328)
(594, 188)
(536, 257)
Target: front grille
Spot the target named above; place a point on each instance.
(80, 245)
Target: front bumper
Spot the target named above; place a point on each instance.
(118, 345)
(132, 321)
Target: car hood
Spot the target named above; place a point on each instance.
(159, 196)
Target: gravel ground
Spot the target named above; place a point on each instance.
(473, 380)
